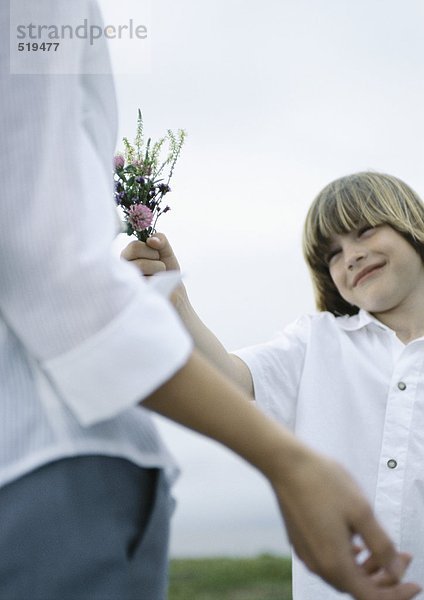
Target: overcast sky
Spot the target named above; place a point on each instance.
(278, 98)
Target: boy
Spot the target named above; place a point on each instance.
(347, 380)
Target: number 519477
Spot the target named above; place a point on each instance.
(35, 46)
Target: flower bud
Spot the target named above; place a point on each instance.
(118, 162)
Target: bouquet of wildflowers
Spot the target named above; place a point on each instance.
(142, 174)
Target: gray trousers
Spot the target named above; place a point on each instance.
(85, 528)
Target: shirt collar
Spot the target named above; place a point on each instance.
(360, 320)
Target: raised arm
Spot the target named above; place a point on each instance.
(156, 256)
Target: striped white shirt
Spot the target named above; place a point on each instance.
(82, 339)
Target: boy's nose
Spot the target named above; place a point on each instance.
(354, 256)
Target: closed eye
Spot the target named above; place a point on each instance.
(332, 254)
(364, 229)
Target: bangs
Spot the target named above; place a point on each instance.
(338, 209)
(341, 213)
(354, 201)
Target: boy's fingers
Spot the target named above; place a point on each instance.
(149, 267)
(157, 241)
(137, 249)
(160, 242)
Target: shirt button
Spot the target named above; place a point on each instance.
(401, 385)
(392, 464)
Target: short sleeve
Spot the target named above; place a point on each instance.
(276, 368)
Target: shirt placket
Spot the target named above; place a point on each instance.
(394, 450)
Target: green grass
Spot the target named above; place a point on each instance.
(263, 578)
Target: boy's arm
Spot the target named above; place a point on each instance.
(156, 256)
(322, 507)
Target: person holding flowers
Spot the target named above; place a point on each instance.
(348, 380)
(88, 350)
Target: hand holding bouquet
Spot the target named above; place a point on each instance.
(142, 177)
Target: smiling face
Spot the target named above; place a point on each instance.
(377, 269)
(390, 249)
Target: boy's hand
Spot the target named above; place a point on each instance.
(152, 257)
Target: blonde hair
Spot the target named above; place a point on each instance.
(347, 203)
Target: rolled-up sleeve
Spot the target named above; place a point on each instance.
(125, 361)
(102, 336)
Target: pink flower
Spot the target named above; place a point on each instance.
(118, 161)
(140, 217)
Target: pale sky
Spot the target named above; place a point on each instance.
(278, 98)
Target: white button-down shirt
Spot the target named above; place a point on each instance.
(351, 389)
(82, 338)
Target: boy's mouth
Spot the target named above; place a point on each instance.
(366, 272)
